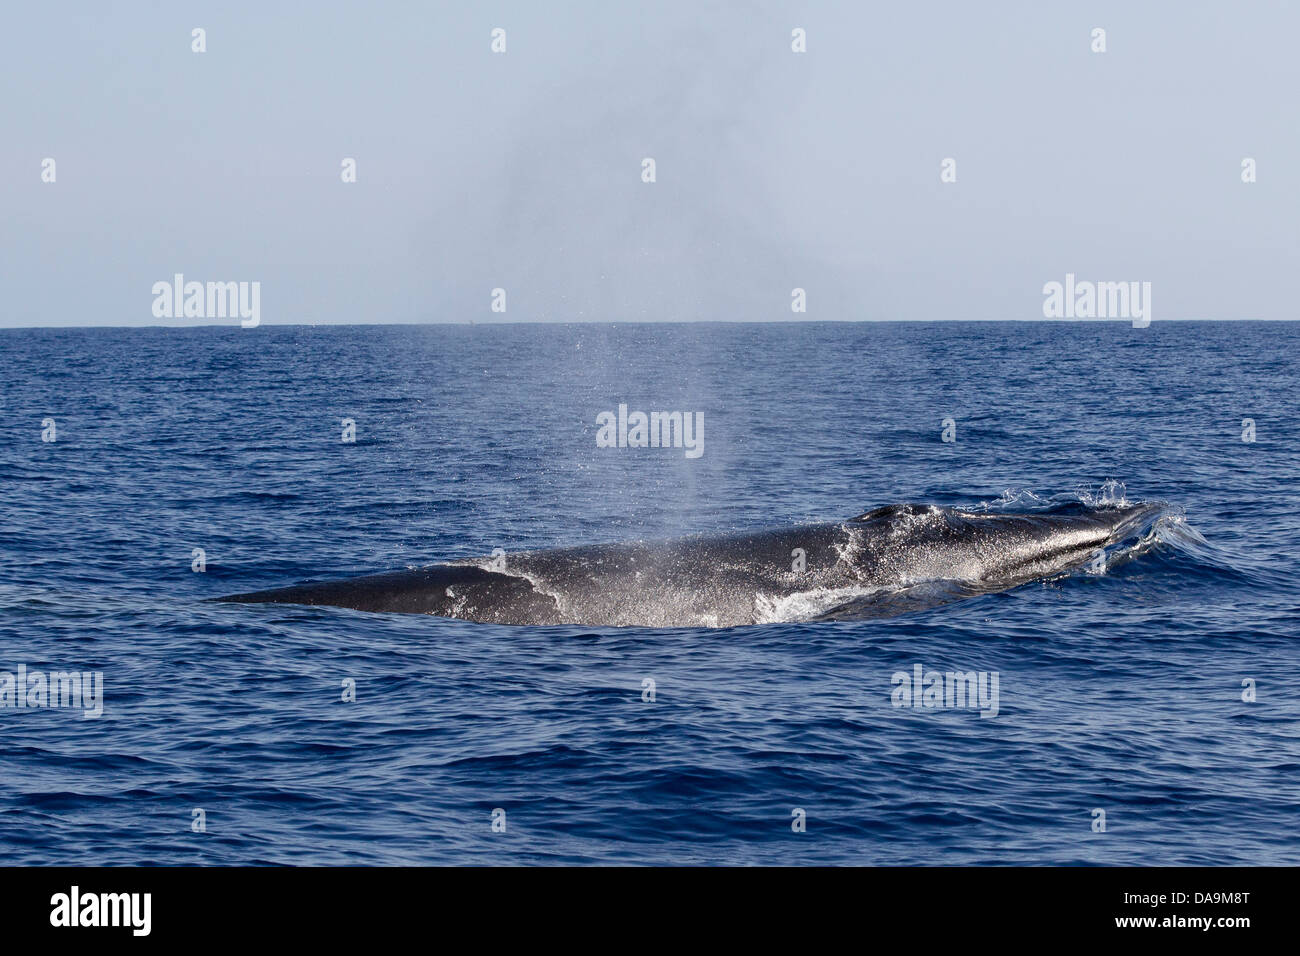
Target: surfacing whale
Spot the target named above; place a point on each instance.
(883, 562)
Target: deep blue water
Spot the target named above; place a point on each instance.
(1120, 691)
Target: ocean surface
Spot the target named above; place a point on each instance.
(225, 737)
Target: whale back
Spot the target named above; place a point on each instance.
(883, 561)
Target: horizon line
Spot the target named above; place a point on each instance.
(561, 322)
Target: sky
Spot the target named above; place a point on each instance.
(523, 170)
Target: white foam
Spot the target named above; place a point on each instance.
(804, 605)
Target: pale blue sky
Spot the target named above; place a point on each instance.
(522, 170)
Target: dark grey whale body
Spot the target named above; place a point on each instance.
(887, 560)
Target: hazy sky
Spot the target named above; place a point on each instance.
(522, 170)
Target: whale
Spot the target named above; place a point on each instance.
(883, 562)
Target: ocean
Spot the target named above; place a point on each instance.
(1149, 710)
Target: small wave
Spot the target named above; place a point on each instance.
(1171, 545)
(1112, 493)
